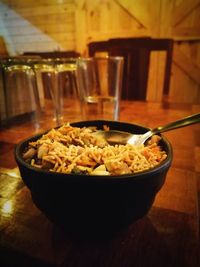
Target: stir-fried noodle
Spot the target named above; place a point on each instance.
(79, 150)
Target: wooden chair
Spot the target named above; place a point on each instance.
(53, 54)
(136, 53)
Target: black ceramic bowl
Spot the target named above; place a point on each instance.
(94, 204)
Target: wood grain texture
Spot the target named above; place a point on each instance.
(70, 25)
(36, 22)
(168, 236)
(187, 65)
(183, 9)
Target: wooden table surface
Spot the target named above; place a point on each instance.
(167, 236)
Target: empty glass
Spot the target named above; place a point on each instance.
(2, 96)
(99, 85)
(56, 83)
(20, 91)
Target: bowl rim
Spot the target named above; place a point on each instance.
(139, 175)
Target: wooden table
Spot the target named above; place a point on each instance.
(167, 236)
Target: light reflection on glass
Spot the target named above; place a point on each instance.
(7, 207)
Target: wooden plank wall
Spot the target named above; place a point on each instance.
(185, 29)
(48, 25)
(44, 25)
(177, 19)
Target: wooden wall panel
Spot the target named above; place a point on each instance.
(180, 21)
(38, 25)
(122, 18)
(15, 4)
(183, 89)
(117, 18)
(47, 25)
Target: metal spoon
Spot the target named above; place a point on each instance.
(119, 137)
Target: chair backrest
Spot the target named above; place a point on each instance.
(54, 54)
(136, 53)
(96, 47)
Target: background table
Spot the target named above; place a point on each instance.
(167, 236)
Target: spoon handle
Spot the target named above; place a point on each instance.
(177, 124)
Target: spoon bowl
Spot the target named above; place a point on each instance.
(119, 137)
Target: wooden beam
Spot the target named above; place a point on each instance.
(15, 4)
(137, 11)
(182, 10)
(39, 10)
(186, 64)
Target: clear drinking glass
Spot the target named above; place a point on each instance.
(56, 82)
(20, 91)
(99, 86)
